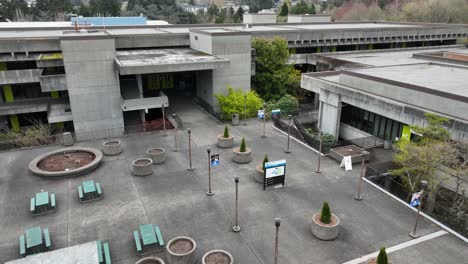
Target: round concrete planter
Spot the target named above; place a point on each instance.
(225, 142)
(325, 231)
(142, 167)
(187, 257)
(242, 157)
(158, 155)
(217, 256)
(112, 147)
(150, 260)
(259, 173)
(374, 261)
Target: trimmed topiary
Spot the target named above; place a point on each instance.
(265, 160)
(382, 257)
(242, 146)
(325, 216)
(226, 132)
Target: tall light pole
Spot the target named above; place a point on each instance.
(277, 225)
(358, 196)
(209, 193)
(164, 122)
(264, 120)
(236, 227)
(189, 131)
(320, 152)
(289, 131)
(245, 110)
(423, 187)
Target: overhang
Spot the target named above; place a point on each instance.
(166, 60)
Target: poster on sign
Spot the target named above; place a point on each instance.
(275, 174)
(214, 160)
(346, 163)
(261, 114)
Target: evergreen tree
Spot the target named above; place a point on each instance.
(284, 10)
(226, 132)
(105, 7)
(240, 13)
(302, 8)
(265, 160)
(382, 257)
(243, 148)
(325, 215)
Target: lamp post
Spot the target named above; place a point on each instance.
(289, 131)
(236, 227)
(264, 120)
(245, 110)
(189, 131)
(277, 224)
(358, 196)
(423, 187)
(320, 152)
(164, 122)
(209, 193)
(176, 147)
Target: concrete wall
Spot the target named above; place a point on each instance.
(204, 82)
(309, 18)
(259, 18)
(330, 112)
(349, 132)
(93, 84)
(51, 83)
(20, 76)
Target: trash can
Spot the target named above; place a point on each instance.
(67, 139)
(235, 119)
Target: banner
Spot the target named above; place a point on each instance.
(415, 201)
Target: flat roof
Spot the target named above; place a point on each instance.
(149, 57)
(443, 78)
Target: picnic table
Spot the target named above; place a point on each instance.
(103, 253)
(149, 239)
(89, 190)
(42, 203)
(33, 242)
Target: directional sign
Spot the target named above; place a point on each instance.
(214, 160)
(261, 114)
(346, 162)
(275, 173)
(415, 199)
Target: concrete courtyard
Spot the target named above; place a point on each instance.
(174, 198)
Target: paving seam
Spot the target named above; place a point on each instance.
(399, 246)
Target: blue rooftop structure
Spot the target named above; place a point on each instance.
(109, 21)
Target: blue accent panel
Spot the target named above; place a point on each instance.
(109, 21)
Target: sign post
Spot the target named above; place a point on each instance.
(275, 174)
(358, 196)
(209, 193)
(189, 131)
(416, 199)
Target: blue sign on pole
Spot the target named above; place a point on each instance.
(261, 114)
(214, 161)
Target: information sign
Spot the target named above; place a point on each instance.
(275, 174)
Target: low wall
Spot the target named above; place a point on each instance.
(348, 132)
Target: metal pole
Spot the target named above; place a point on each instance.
(209, 193)
(358, 196)
(164, 122)
(190, 148)
(413, 233)
(245, 110)
(236, 227)
(289, 130)
(264, 120)
(320, 152)
(176, 147)
(277, 224)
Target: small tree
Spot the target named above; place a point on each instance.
(226, 132)
(284, 10)
(265, 160)
(382, 257)
(242, 146)
(325, 216)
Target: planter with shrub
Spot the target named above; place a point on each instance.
(260, 170)
(325, 225)
(225, 140)
(181, 250)
(242, 154)
(150, 260)
(217, 256)
(382, 258)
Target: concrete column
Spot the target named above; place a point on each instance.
(140, 85)
(319, 49)
(392, 45)
(334, 49)
(370, 46)
(15, 126)
(357, 47)
(403, 45)
(330, 112)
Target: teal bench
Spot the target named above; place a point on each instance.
(22, 245)
(159, 235)
(99, 249)
(98, 188)
(33, 205)
(47, 238)
(107, 253)
(80, 193)
(137, 241)
(52, 200)
(103, 253)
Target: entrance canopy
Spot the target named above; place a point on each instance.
(166, 60)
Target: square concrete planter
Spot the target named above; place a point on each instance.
(112, 147)
(217, 256)
(356, 153)
(325, 231)
(142, 167)
(181, 250)
(225, 142)
(242, 157)
(158, 155)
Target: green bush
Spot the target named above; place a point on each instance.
(328, 140)
(288, 104)
(265, 160)
(235, 101)
(226, 132)
(382, 257)
(242, 146)
(325, 215)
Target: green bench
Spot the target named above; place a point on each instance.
(52, 200)
(149, 239)
(35, 240)
(89, 191)
(103, 253)
(47, 238)
(42, 203)
(137, 241)
(33, 205)
(22, 245)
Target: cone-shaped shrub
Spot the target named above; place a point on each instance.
(265, 160)
(226, 132)
(243, 147)
(382, 257)
(325, 216)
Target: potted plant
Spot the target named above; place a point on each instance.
(217, 256)
(142, 167)
(225, 140)
(259, 175)
(181, 250)
(158, 155)
(112, 147)
(150, 260)
(325, 225)
(381, 258)
(242, 154)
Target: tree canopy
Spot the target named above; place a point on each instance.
(284, 10)
(302, 8)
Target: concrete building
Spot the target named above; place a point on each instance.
(105, 78)
(381, 93)
(263, 18)
(319, 18)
